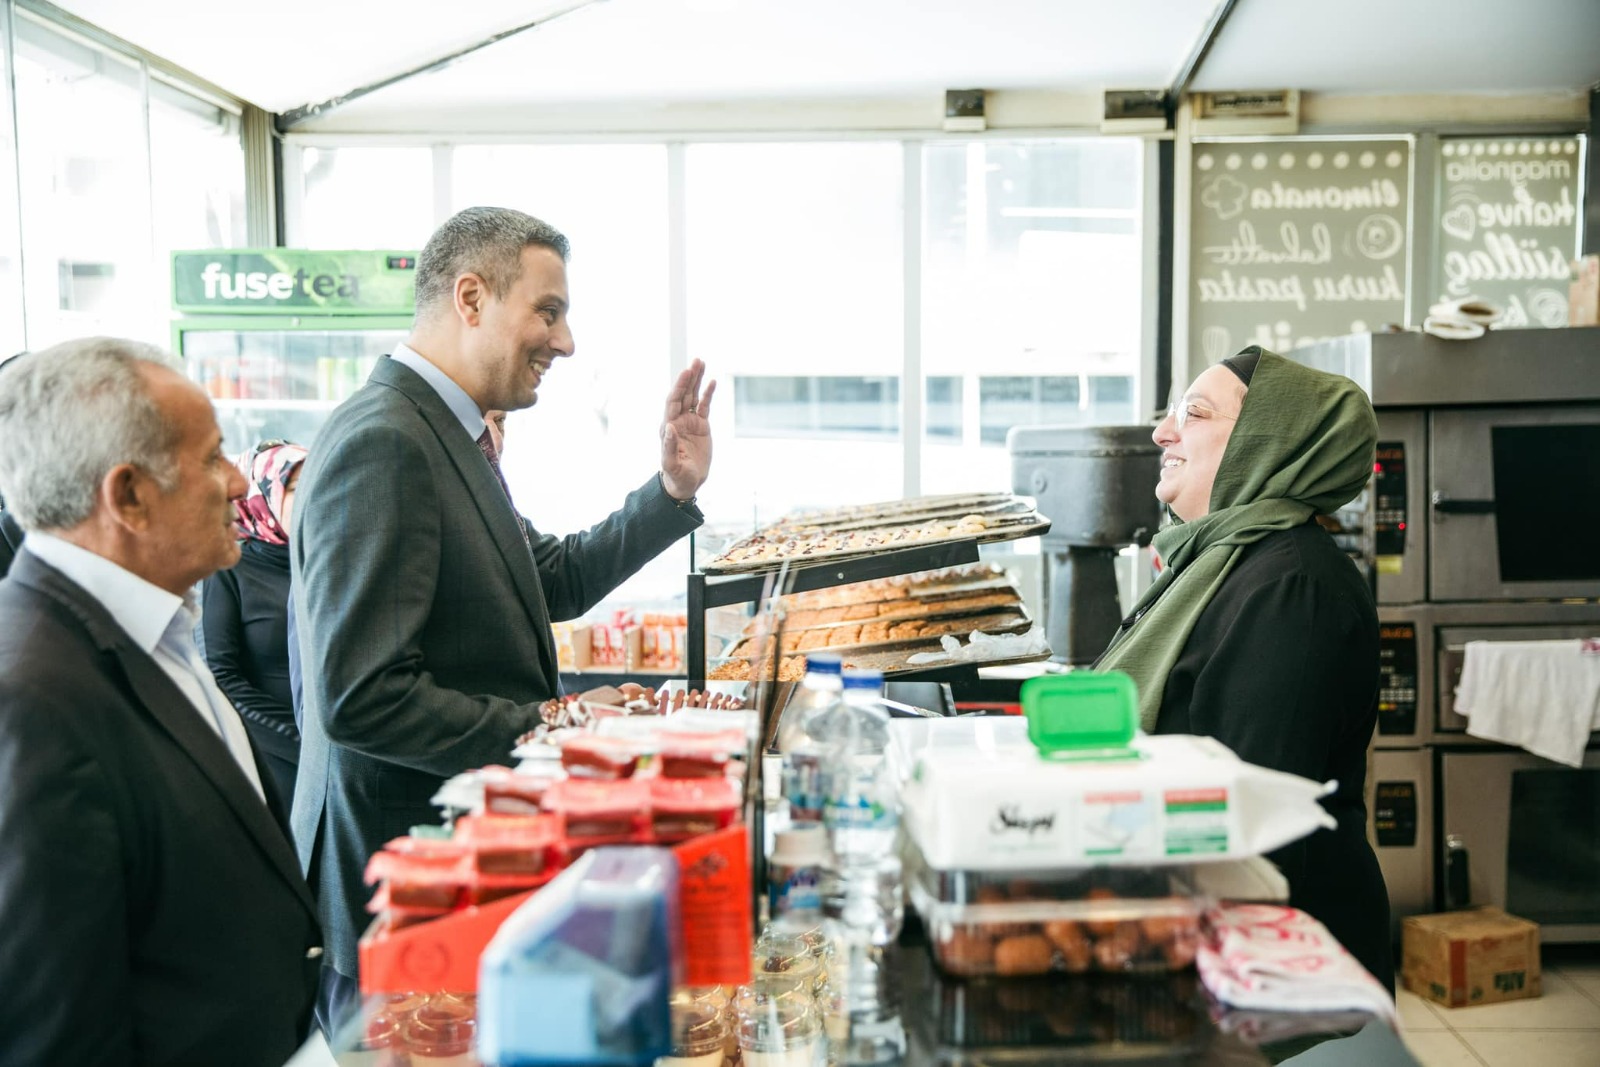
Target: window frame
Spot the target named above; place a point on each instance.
(912, 144)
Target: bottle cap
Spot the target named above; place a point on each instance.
(1085, 714)
(863, 678)
(802, 845)
(824, 663)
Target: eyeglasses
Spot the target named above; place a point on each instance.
(1181, 411)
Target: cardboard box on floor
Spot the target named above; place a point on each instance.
(1478, 956)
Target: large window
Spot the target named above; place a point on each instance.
(795, 298)
(122, 166)
(13, 337)
(1030, 296)
(86, 190)
(197, 178)
(592, 437)
(365, 197)
(784, 266)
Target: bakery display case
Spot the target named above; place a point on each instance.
(896, 587)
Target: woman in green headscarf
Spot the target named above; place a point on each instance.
(1260, 632)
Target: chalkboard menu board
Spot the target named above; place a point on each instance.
(1510, 222)
(1296, 240)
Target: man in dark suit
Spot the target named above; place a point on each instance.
(11, 535)
(422, 599)
(153, 912)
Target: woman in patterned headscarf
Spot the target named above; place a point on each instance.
(245, 615)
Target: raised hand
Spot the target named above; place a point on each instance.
(686, 434)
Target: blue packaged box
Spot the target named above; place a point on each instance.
(582, 972)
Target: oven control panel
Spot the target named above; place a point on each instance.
(1389, 499)
(1397, 679)
(1394, 814)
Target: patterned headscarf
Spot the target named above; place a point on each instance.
(267, 468)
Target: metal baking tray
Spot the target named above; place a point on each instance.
(1008, 621)
(910, 609)
(1031, 525)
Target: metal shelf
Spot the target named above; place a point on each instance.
(714, 591)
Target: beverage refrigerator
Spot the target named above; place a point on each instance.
(279, 337)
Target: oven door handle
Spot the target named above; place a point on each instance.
(1445, 506)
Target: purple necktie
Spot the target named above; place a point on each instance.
(486, 446)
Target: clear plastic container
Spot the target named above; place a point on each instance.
(1112, 919)
(781, 963)
(779, 1029)
(440, 1034)
(700, 1030)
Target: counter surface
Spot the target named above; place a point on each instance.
(1145, 1019)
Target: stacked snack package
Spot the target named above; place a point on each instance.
(662, 638)
(631, 768)
(574, 650)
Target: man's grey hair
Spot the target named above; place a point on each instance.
(71, 413)
(486, 241)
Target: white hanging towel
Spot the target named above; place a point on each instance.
(1543, 696)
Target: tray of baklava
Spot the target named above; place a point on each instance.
(828, 536)
(892, 615)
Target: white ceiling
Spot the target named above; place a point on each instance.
(296, 52)
(1407, 46)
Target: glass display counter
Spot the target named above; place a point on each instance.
(950, 1022)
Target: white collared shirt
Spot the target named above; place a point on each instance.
(146, 613)
(462, 406)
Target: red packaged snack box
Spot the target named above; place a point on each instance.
(487, 888)
(681, 808)
(692, 757)
(590, 756)
(506, 792)
(601, 812)
(419, 881)
(512, 844)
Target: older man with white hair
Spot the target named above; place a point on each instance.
(153, 911)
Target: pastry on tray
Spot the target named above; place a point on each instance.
(879, 527)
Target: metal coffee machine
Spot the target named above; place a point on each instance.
(1096, 484)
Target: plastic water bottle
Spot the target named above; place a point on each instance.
(802, 753)
(860, 811)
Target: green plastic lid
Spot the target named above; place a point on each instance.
(1080, 713)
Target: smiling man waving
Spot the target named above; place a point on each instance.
(423, 599)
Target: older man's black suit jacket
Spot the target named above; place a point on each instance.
(11, 535)
(151, 910)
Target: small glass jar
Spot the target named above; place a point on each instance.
(700, 1029)
(380, 1043)
(721, 998)
(782, 963)
(779, 1029)
(834, 1008)
(441, 1035)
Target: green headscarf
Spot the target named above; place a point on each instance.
(1303, 446)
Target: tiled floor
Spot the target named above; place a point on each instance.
(1559, 1029)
